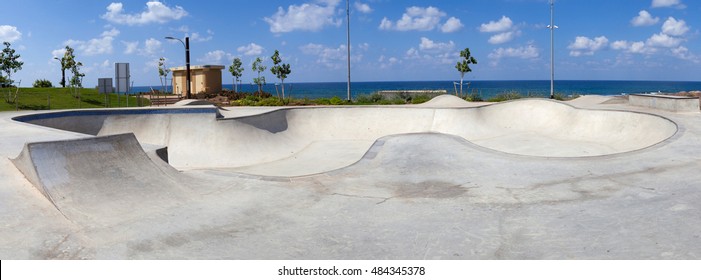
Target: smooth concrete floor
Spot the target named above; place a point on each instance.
(410, 196)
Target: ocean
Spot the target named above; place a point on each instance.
(486, 89)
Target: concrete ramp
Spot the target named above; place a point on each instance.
(310, 140)
(99, 180)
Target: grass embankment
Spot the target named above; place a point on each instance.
(62, 98)
(373, 99)
(65, 98)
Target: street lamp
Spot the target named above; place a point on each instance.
(552, 28)
(186, 44)
(63, 72)
(348, 48)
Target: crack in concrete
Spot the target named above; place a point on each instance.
(384, 199)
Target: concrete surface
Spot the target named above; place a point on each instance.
(529, 179)
(666, 102)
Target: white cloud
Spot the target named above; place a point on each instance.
(504, 24)
(216, 57)
(9, 33)
(667, 3)
(251, 49)
(452, 25)
(387, 62)
(432, 52)
(152, 46)
(58, 53)
(663, 40)
(633, 47)
(156, 12)
(364, 46)
(683, 53)
(330, 57)
(639, 47)
(644, 18)
(101, 45)
(674, 27)
(671, 38)
(110, 33)
(311, 48)
(305, 17)
(585, 46)
(503, 37)
(416, 19)
(386, 24)
(430, 46)
(363, 8)
(619, 45)
(195, 36)
(529, 52)
(130, 47)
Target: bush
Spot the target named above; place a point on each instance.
(41, 83)
(270, 101)
(420, 99)
(511, 95)
(374, 98)
(474, 97)
(337, 101)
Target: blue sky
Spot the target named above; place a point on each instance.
(391, 40)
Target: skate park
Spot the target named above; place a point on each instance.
(591, 178)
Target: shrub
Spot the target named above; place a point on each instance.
(474, 97)
(511, 95)
(420, 99)
(41, 83)
(270, 101)
(337, 101)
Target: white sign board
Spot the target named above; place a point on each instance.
(122, 77)
(104, 85)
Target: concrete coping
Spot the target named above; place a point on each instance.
(665, 96)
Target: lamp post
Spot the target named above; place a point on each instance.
(63, 72)
(186, 44)
(552, 28)
(348, 48)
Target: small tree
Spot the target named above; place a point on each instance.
(41, 83)
(236, 70)
(9, 63)
(260, 68)
(76, 80)
(68, 61)
(464, 65)
(163, 72)
(280, 70)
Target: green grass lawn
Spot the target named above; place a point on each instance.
(62, 98)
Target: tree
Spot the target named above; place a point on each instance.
(280, 70)
(41, 83)
(64, 66)
(9, 63)
(259, 67)
(68, 61)
(236, 70)
(163, 73)
(464, 65)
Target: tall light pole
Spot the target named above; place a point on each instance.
(349, 48)
(186, 44)
(552, 28)
(63, 72)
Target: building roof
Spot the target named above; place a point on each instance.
(198, 67)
